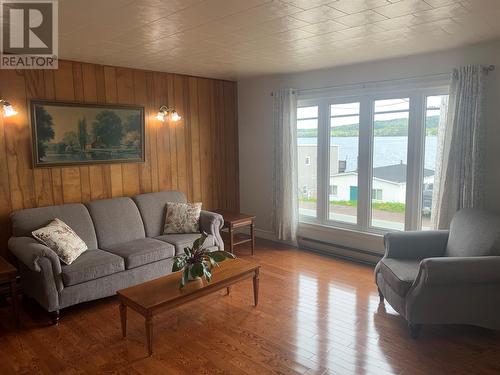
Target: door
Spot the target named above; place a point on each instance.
(353, 193)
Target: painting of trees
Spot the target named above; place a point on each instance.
(82, 133)
(68, 134)
(133, 123)
(44, 129)
(108, 128)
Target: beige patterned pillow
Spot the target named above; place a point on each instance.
(63, 240)
(182, 218)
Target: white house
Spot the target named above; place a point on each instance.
(389, 184)
(307, 156)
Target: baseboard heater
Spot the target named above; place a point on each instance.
(339, 251)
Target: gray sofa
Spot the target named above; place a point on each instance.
(125, 247)
(445, 277)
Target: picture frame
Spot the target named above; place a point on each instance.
(73, 133)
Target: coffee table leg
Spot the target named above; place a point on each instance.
(123, 318)
(256, 287)
(231, 239)
(149, 334)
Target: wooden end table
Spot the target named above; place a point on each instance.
(232, 221)
(8, 274)
(155, 296)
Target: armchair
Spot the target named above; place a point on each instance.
(444, 277)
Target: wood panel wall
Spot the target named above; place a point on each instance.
(197, 155)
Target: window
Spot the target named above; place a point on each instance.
(334, 190)
(307, 149)
(377, 194)
(372, 157)
(390, 147)
(435, 108)
(344, 141)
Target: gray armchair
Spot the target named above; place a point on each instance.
(445, 277)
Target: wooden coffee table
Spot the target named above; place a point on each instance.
(155, 296)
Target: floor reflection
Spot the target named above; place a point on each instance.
(335, 328)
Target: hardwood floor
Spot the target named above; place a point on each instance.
(316, 315)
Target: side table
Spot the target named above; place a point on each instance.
(8, 274)
(234, 220)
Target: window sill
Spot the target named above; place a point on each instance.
(354, 240)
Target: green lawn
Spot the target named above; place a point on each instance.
(382, 206)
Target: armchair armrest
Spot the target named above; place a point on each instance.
(29, 251)
(460, 270)
(212, 223)
(415, 244)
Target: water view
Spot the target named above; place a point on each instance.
(390, 149)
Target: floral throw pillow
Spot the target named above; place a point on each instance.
(182, 218)
(61, 239)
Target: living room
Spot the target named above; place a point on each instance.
(250, 187)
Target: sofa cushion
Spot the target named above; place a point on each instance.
(474, 233)
(152, 208)
(142, 251)
(91, 265)
(116, 221)
(62, 240)
(74, 215)
(180, 241)
(182, 218)
(399, 273)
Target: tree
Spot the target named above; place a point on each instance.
(82, 133)
(108, 128)
(70, 139)
(44, 129)
(133, 123)
(69, 143)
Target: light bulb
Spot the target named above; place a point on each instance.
(175, 116)
(8, 110)
(161, 116)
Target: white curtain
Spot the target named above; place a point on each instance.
(285, 205)
(460, 173)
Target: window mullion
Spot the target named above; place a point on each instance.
(323, 178)
(365, 162)
(415, 162)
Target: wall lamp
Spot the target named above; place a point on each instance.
(165, 113)
(8, 109)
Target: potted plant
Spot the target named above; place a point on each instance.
(198, 262)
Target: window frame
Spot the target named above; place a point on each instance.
(417, 92)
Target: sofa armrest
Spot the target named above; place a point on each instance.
(211, 223)
(29, 251)
(460, 270)
(416, 244)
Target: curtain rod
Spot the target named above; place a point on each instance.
(488, 69)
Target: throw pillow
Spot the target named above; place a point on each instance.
(182, 218)
(61, 239)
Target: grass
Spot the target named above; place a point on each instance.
(382, 206)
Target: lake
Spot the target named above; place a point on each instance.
(388, 150)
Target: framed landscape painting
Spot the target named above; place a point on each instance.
(74, 133)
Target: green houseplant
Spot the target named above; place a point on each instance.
(197, 262)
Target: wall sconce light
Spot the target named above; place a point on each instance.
(8, 110)
(165, 113)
